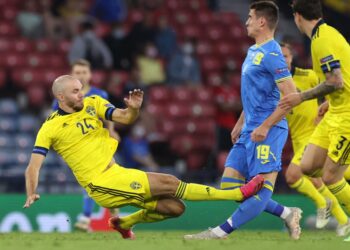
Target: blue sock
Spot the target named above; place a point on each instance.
(88, 205)
(274, 208)
(249, 209)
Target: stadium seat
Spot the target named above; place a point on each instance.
(204, 48)
(8, 107)
(36, 96)
(179, 110)
(8, 124)
(7, 29)
(183, 17)
(191, 31)
(6, 141)
(9, 13)
(157, 110)
(25, 77)
(211, 63)
(6, 157)
(21, 157)
(99, 78)
(44, 46)
(204, 18)
(64, 46)
(12, 60)
(203, 110)
(27, 123)
(22, 45)
(2, 78)
(196, 160)
(182, 145)
(215, 32)
(196, 5)
(6, 45)
(37, 60)
(203, 127)
(159, 94)
(182, 95)
(24, 141)
(203, 95)
(225, 48)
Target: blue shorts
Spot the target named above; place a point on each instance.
(251, 158)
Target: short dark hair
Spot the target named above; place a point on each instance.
(81, 62)
(286, 45)
(308, 9)
(268, 10)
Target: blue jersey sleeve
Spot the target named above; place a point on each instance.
(277, 66)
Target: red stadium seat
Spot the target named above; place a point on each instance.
(204, 17)
(9, 13)
(225, 49)
(7, 29)
(2, 78)
(44, 46)
(191, 31)
(202, 126)
(196, 160)
(12, 60)
(134, 16)
(6, 45)
(37, 60)
(99, 78)
(36, 96)
(159, 94)
(229, 19)
(204, 95)
(236, 32)
(22, 45)
(197, 5)
(57, 61)
(178, 111)
(182, 145)
(25, 77)
(64, 46)
(182, 95)
(204, 48)
(213, 78)
(203, 110)
(211, 63)
(157, 110)
(174, 5)
(183, 17)
(173, 128)
(215, 32)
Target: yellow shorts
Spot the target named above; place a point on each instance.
(299, 149)
(119, 186)
(333, 134)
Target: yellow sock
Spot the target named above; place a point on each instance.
(141, 216)
(347, 174)
(231, 183)
(305, 187)
(197, 192)
(341, 190)
(337, 211)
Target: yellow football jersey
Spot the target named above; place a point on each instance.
(301, 120)
(80, 138)
(330, 50)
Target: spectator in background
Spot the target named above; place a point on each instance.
(183, 68)
(151, 67)
(165, 39)
(141, 33)
(228, 105)
(134, 81)
(30, 21)
(90, 47)
(135, 150)
(117, 44)
(109, 11)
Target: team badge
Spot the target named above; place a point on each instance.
(91, 110)
(135, 185)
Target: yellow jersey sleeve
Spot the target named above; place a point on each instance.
(103, 107)
(43, 141)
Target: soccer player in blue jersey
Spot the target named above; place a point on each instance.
(81, 69)
(262, 130)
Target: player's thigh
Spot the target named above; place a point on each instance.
(162, 184)
(236, 161)
(119, 186)
(313, 159)
(265, 157)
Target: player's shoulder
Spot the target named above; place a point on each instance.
(272, 49)
(51, 117)
(303, 72)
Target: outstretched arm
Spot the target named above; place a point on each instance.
(334, 81)
(133, 103)
(32, 178)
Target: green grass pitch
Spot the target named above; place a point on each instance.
(170, 240)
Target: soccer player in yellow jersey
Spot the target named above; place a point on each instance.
(327, 153)
(76, 133)
(302, 122)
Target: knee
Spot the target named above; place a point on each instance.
(292, 176)
(170, 183)
(178, 209)
(330, 178)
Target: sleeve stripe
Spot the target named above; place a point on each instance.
(327, 67)
(40, 150)
(282, 79)
(334, 64)
(109, 113)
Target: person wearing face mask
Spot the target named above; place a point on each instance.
(151, 67)
(183, 67)
(136, 152)
(117, 44)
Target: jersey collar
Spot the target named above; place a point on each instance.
(263, 43)
(318, 24)
(62, 112)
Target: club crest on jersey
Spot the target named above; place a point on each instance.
(135, 185)
(91, 110)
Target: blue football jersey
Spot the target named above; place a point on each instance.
(263, 68)
(92, 91)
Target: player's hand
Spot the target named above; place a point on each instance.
(289, 101)
(259, 134)
(236, 131)
(31, 199)
(323, 108)
(135, 99)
